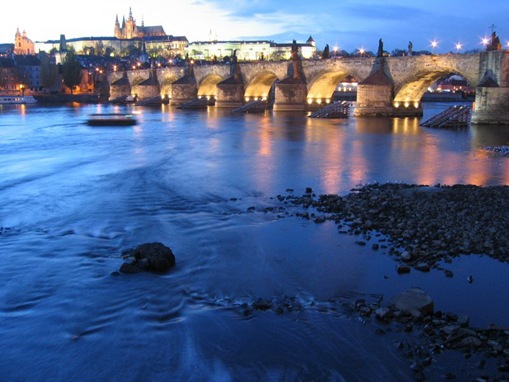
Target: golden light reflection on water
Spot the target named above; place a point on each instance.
(265, 147)
(365, 149)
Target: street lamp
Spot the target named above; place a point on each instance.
(459, 46)
(362, 51)
(434, 44)
(335, 50)
(485, 41)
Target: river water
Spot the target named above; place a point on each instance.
(73, 197)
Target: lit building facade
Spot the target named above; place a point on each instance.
(249, 50)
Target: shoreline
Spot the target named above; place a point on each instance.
(421, 226)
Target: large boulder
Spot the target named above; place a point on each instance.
(412, 300)
(149, 257)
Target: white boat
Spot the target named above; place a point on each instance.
(13, 99)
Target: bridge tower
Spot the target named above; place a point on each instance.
(492, 93)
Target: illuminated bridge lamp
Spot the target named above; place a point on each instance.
(264, 99)
(247, 99)
(485, 41)
(407, 104)
(416, 105)
(434, 44)
(396, 104)
(310, 101)
(327, 100)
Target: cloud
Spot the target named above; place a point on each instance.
(386, 12)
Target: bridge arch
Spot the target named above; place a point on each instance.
(412, 90)
(208, 86)
(259, 87)
(165, 85)
(424, 71)
(322, 86)
(137, 80)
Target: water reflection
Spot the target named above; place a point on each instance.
(76, 196)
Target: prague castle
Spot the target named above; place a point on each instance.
(127, 37)
(130, 30)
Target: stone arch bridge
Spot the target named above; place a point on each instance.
(388, 86)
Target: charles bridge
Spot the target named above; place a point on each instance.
(387, 86)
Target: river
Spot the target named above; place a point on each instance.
(73, 197)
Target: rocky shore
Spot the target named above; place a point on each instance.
(426, 337)
(424, 227)
(420, 225)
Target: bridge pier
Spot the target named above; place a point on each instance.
(230, 93)
(183, 90)
(492, 93)
(375, 94)
(120, 89)
(290, 95)
(491, 106)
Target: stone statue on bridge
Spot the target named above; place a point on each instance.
(495, 43)
(296, 61)
(410, 48)
(380, 52)
(295, 51)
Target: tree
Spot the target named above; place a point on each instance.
(99, 48)
(89, 51)
(109, 51)
(71, 71)
(49, 72)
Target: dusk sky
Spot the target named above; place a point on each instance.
(347, 24)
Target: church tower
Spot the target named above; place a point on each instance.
(22, 44)
(117, 32)
(130, 26)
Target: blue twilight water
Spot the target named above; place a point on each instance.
(73, 197)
